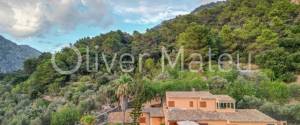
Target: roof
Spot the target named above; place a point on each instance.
(188, 94)
(198, 94)
(241, 115)
(224, 98)
(187, 123)
(117, 117)
(154, 112)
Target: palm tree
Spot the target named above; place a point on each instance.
(124, 86)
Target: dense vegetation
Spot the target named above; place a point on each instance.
(269, 29)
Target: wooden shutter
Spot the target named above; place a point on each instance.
(173, 123)
(203, 123)
(202, 104)
(191, 104)
(142, 120)
(171, 104)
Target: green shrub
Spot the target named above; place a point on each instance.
(250, 102)
(36, 121)
(288, 77)
(65, 116)
(294, 90)
(41, 103)
(54, 88)
(85, 79)
(88, 120)
(19, 120)
(86, 105)
(81, 87)
(240, 88)
(274, 91)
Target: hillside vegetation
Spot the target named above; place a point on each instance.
(268, 29)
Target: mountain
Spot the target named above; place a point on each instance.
(12, 55)
(207, 6)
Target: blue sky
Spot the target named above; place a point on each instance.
(50, 25)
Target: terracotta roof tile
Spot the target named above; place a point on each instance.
(223, 98)
(117, 117)
(198, 94)
(154, 112)
(241, 115)
(188, 94)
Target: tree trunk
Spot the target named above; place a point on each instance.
(124, 103)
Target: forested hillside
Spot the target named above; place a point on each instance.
(268, 29)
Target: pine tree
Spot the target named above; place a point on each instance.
(136, 112)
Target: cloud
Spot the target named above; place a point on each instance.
(149, 12)
(36, 17)
(153, 16)
(155, 11)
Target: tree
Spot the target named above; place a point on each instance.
(199, 38)
(294, 90)
(228, 38)
(217, 85)
(30, 65)
(240, 88)
(276, 60)
(137, 110)
(250, 102)
(274, 91)
(266, 40)
(272, 110)
(124, 86)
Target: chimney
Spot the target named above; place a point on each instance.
(193, 89)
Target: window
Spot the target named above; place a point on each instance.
(171, 104)
(202, 104)
(225, 105)
(191, 104)
(203, 123)
(173, 123)
(218, 106)
(142, 120)
(221, 106)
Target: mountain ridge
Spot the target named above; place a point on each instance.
(12, 55)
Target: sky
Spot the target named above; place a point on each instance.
(48, 25)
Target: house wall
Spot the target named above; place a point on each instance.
(214, 122)
(233, 123)
(251, 123)
(226, 110)
(147, 116)
(210, 105)
(157, 121)
(208, 122)
(183, 103)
